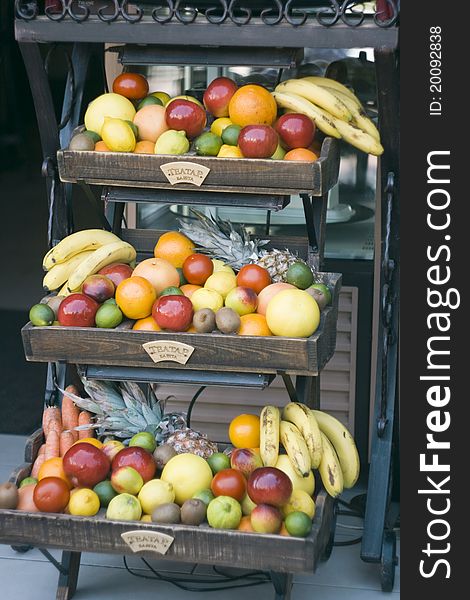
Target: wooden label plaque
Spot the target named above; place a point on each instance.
(185, 172)
(162, 350)
(147, 541)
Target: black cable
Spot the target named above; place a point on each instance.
(191, 405)
(349, 542)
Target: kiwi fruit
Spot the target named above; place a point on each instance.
(167, 513)
(318, 296)
(227, 320)
(8, 495)
(193, 512)
(162, 455)
(81, 141)
(204, 320)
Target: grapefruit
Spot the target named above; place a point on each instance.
(108, 105)
(150, 121)
(159, 272)
(189, 474)
(268, 293)
(293, 313)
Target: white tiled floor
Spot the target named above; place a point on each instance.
(30, 576)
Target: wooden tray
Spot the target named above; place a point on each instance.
(225, 175)
(212, 351)
(201, 544)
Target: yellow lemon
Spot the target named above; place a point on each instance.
(299, 501)
(221, 282)
(163, 96)
(205, 298)
(220, 124)
(84, 503)
(230, 152)
(90, 440)
(118, 135)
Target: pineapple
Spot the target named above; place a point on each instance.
(122, 410)
(233, 244)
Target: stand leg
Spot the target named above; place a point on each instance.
(308, 391)
(282, 583)
(68, 580)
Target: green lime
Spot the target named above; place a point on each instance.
(105, 492)
(171, 291)
(81, 141)
(41, 315)
(298, 524)
(27, 481)
(145, 440)
(182, 277)
(325, 289)
(94, 136)
(230, 135)
(218, 461)
(148, 100)
(279, 154)
(208, 144)
(300, 275)
(108, 316)
(205, 495)
(135, 129)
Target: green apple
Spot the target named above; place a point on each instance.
(247, 505)
(218, 461)
(145, 440)
(321, 287)
(126, 480)
(224, 512)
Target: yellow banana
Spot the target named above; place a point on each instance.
(269, 435)
(60, 272)
(330, 469)
(296, 448)
(317, 94)
(304, 419)
(332, 83)
(80, 241)
(344, 445)
(360, 119)
(358, 138)
(64, 290)
(115, 252)
(322, 119)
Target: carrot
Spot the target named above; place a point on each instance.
(84, 418)
(52, 444)
(40, 458)
(51, 420)
(65, 442)
(70, 412)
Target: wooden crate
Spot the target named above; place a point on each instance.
(212, 351)
(201, 544)
(254, 176)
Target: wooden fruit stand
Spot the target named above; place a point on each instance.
(278, 30)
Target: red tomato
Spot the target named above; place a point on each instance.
(51, 494)
(229, 482)
(131, 85)
(197, 268)
(254, 277)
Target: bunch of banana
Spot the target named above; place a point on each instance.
(312, 439)
(81, 254)
(336, 111)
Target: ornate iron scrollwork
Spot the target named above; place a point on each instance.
(352, 17)
(213, 13)
(330, 15)
(290, 13)
(168, 9)
(131, 18)
(108, 18)
(26, 9)
(78, 14)
(185, 14)
(233, 9)
(273, 16)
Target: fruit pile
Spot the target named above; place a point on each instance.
(251, 487)
(179, 289)
(232, 121)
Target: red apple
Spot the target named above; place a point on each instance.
(269, 485)
(98, 287)
(173, 312)
(111, 448)
(245, 460)
(85, 465)
(117, 272)
(266, 519)
(77, 310)
(258, 141)
(218, 95)
(126, 480)
(183, 115)
(137, 458)
(243, 300)
(295, 130)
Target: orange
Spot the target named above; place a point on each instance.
(244, 431)
(159, 272)
(301, 154)
(90, 440)
(135, 297)
(283, 530)
(254, 324)
(147, 324)
(252, 105)
(101, 147)
(53, 467)
(245, 525)
(144, 147)
(174, 247)
(188, 289)
(192, 329)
